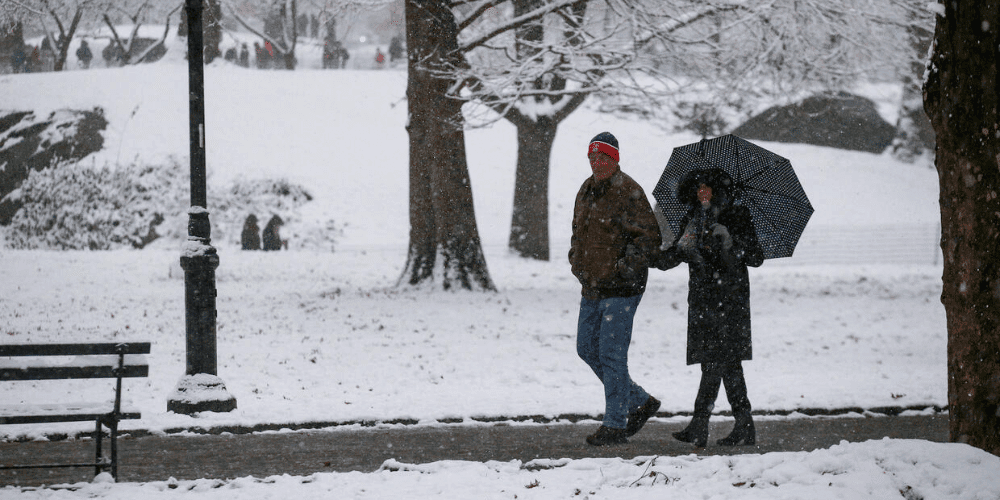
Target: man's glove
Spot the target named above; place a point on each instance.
(630, 264)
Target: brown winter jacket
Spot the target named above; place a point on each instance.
(614, 235)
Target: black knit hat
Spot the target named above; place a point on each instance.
(606, 143)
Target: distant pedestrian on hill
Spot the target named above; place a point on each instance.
(263, 58)
(379, 58)
(717, 240)
(250, 238)
(19, 59)
(331, 54)
(47, 55)
(113, 55)
(34, 63)
(614, 233)
(272, 237)
(84, 55)
(244, 56)
(395, 48)
(344, 55)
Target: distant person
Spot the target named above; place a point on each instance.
(331, 54)
(344, 56)
(379, 58)
(113, 55)
(614, 235)
(272, 236)
(19, 59)
(84, 55)
(263, 60)
(34, 63)
(272, 59)
(244, 56)
(250, 237)
(717, 240)
(395, 48)
(48, 56)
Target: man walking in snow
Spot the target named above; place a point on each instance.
(614, 233)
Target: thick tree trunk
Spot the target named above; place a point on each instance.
(961, 96)
(529, 225)
(444, 240)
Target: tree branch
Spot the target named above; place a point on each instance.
(514, 24)
(478, 12)
(236, 15)
(166, 32)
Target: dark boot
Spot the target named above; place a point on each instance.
(708, 390)
(607, 435)
(638, 418)
(743, 433)
(696, 432)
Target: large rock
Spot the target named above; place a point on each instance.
(838, 120)
(29, 143)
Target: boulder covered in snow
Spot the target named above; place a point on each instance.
(29, 142)
(839, 120)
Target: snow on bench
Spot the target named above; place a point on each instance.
(25, 362)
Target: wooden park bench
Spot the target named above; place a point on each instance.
(73, 361)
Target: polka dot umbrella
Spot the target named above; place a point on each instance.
(764, 182)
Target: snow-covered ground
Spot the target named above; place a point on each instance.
(314, 336)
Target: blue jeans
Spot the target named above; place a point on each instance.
(603, 335)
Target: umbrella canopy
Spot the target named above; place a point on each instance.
(764, 182)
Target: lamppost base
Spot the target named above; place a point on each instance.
(200, 392)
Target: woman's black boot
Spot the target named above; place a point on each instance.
(708, 389)
(736, 390)
(743, 433)
(696, 432)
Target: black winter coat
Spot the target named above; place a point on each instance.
(718, 286)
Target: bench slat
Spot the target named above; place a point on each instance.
(65, 412)
(70, 372)
(73, 417)
(74, 361)
(74, 349)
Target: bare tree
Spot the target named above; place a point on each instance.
(962, 96)
(70, 16)
(65, 15)
(534, 62)
(131, 49)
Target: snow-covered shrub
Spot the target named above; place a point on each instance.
(229, 206)
(74, 206)
(264, 198)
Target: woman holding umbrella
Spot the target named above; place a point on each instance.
(718, 241)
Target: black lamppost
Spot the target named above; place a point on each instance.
(200, 389)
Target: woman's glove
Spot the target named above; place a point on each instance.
(721, 236)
